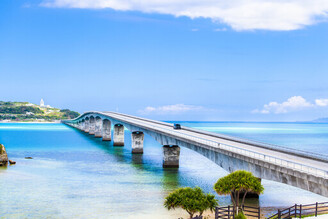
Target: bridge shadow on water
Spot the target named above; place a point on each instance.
(170, 178)
(151, 163)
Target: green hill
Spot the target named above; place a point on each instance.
(29, 112)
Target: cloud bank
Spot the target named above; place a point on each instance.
(295, 103)
(240, 15)
(321, 102)
(170, 109)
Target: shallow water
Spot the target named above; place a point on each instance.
(73, 174)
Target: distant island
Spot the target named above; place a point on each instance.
(29, 112)
(321, 120)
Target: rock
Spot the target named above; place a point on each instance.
(12, 162)
(3, 156)
(28, 157)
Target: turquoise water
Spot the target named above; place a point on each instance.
(74, 175)
(302, 136)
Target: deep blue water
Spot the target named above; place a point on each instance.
(76, 175)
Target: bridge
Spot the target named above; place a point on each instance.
(305, 170)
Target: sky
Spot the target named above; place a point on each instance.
(213, 60)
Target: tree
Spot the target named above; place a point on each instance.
(236, 182)
(69, 114)
(192, 200)
(20, 109)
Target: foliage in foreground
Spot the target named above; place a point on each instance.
(236, 182)
(192, 200)
(240, 215)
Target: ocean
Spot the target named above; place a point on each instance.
(74, 175)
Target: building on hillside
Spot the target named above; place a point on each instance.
(41, 103)
(44, 106)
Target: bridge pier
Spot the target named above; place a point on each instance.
(82, 125)
(86, 125)
(106, 130)
(92, 125)
(118, 135)
(171, 156)
(137, 142)
(98, 126)
(298, 169)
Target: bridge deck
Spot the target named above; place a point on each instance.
(194, 135)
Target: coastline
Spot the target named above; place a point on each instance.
(105, 176)
(31, 122)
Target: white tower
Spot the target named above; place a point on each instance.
(41, 103)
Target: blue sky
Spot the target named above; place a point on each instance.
(172, 61)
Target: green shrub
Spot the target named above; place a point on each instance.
(20, 109)
(68, 114)
(240, 215)
(192, 200)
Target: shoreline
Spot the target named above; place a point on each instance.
(31, 122)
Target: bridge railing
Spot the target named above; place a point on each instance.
(283, 149)
(256, 155)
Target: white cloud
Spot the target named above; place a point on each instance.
(321, 102)
(295, 103)
(170, 109)
(239, 14)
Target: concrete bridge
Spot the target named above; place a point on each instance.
(301, 169)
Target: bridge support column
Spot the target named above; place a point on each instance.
(82, 125)
(92, 125)
(171, 156)
(118, 135)
(86, 125)
(137, 142)
(106, 130)
(98, 126)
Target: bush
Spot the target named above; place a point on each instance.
(192, 200)
(240, 215)
(68, 114)
(20, 109)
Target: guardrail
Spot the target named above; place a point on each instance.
(273, 147)
(230, 148)
(229, 212)
(306, 154)
(255, 155)
(299, 211)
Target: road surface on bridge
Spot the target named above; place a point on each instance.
(312, 161)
